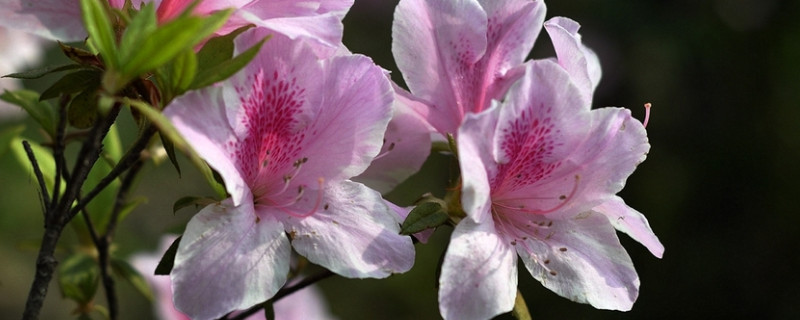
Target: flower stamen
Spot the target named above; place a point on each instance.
(564, 200)
(300, 192)
(646, 113)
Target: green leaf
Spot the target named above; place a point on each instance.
(41, 111)
(169, 147)
(219, 49)
(124, 270)
(189, 200)
(169, 40)
(168, 131)
(43, 158)
(101, 32)
(8, 135)
(426, 215)
(167, 261)
(73, 82)
(41, 72)
(78, 277)
(183, 70)
(112, 145)
(212, 74)
(142, 24)
(82, 111)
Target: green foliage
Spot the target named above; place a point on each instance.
(43, 158)
(78, 277)
(41, 72)
(431, 213)
(217, 59)
(123, 269)
(74, 82)
(8, 135)
(42, 112)
(167, 261)
(189, 201)
(101, 32)
(170, 133)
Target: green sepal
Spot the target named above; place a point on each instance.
(123, 269)
(167, 261)
(78, 278)
(41, 111)
(428, 214)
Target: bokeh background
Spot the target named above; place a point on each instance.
(719, 187)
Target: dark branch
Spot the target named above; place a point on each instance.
(39, 177)
(283, 293)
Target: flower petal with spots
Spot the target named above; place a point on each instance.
(534, 168)
(285, 134)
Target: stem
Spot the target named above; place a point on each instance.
(45, 265)
(59, 216)
(283, 293)
(130, 158)
(39, 177)
(58, 151)
(104, 243)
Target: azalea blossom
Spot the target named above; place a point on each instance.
(456, 56)
(305, 304)
(535, 168)
(285, 134)
(318, 21)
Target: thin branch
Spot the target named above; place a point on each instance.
(58, 150)
(283, 293)
(39, 177)
(56, 219)
(128, 160)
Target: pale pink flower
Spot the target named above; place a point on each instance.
(534, 170)
(285, 134)
(305, 304)
(318, 20)
(456, 56)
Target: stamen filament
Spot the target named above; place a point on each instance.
(539, 211)
(307, 213)
(646, 114)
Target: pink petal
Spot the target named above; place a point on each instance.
(306, 304)
(479, 274)
(201, 118)
(430, 42)
(52, 19)
(353, 233)
(477, 162)
(579, 61)
(457, 55)
(631, 222)
(228, 259)
(406, 145)
(553, 149)
(581, 259)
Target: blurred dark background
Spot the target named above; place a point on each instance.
(719, 187)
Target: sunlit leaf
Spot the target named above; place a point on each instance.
(101, 33)
(41, 111)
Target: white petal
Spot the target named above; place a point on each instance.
(580, 259)
(352, 233)
(479, 274)
(632, 222)
(227, 260)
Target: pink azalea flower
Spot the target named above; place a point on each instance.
(534, 169)
(306, 304)
(285, 134)
(456, 56)
(61, 19)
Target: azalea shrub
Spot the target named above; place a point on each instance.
(302, 139)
